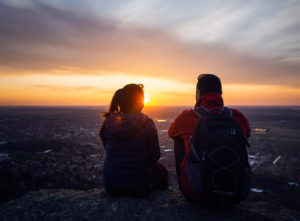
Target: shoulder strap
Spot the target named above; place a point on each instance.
(201, 111)
(227, 111)
(194, 150)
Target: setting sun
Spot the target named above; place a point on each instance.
(146, 99)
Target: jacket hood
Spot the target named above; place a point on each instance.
(125, 125)
(210, 100)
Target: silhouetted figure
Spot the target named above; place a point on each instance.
(210, 148)
(131, 143)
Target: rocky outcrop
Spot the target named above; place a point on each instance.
(63, 166)
(96, 204)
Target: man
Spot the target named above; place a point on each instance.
(209, 96)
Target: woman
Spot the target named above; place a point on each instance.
(132, 151)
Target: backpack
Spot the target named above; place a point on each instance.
(218, 161)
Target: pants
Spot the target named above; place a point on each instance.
(158, 179)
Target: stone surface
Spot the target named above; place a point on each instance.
(96, 204)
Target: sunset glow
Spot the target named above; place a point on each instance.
(80, 56)
(146, 99)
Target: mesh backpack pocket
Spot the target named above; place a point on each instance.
(194, 172)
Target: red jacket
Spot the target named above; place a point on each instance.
(184, 125)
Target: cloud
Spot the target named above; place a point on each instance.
(179, 94)
(66, 88)
(43, 39)
(62, 88)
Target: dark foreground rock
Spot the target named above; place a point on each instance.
(48, 165)
(96, 204)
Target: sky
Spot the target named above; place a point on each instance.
(71, 52)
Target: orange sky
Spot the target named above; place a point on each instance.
(98, 90)
(53, 54)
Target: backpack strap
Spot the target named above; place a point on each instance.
(219, 110)
(201, 111)
(224, 110)
(227, 111)
(194, 152)
(247, 141)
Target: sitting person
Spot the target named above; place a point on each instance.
(131, 167)
(210, 148)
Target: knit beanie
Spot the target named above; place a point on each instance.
(209, 83)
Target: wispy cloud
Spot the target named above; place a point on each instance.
(42, 39)
(179, 94)
(62, 88)
(65, 88)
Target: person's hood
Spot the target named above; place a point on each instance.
(125, 125)
(211, 100)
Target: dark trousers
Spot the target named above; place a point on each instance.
(158, 179)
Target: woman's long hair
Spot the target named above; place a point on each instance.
(128, 99)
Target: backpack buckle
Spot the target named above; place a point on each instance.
(233, 131)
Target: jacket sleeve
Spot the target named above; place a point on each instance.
(175, 129)
(179, 152)
(242, 121)
(153, 148)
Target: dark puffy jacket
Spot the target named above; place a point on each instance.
(131, 145)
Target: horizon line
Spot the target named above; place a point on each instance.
(145, 106)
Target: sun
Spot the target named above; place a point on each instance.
(146, 99)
